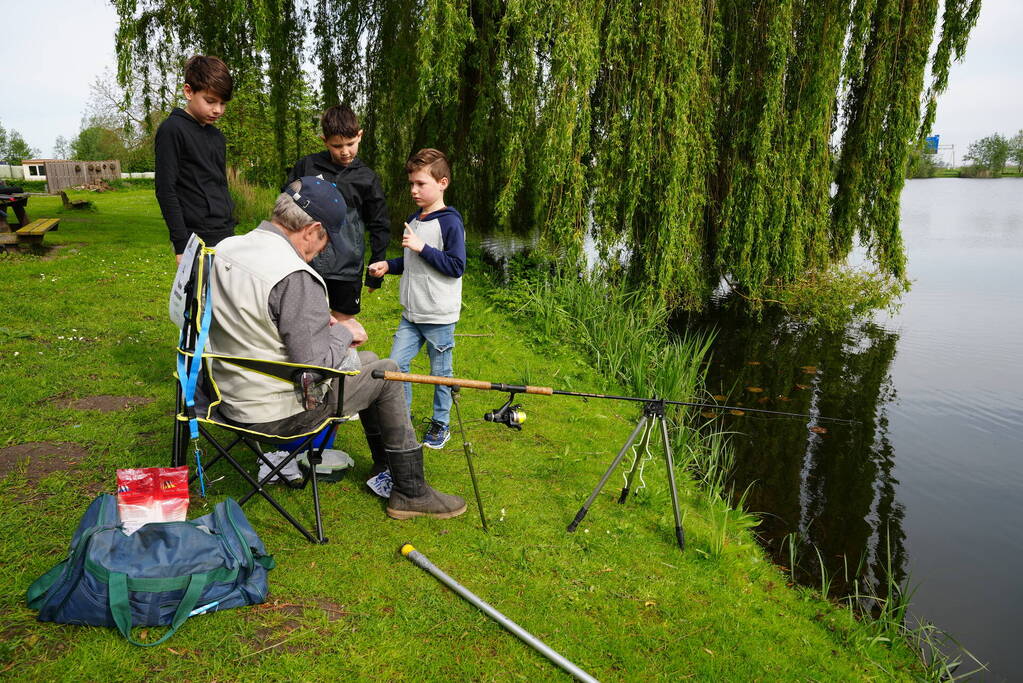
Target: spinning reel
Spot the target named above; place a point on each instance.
(511, 416)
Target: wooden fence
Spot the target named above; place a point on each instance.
(61, 175)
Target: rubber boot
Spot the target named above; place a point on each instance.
(411, 495)
(371, 426)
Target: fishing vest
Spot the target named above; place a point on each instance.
(245, 269)
(428, 296)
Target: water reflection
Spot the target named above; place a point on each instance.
(831, 483)
(951, 501)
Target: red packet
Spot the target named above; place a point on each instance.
(151, 494)
(173, 493)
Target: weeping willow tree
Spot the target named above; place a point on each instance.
(694, 140)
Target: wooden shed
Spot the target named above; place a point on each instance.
(61, 175)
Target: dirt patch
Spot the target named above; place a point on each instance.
(22, 638)
(44, 457)
(287, 636)
(105, 404)
(286, 627)
(333, 610)
(51, 252)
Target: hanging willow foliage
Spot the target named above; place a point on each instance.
(692, 139)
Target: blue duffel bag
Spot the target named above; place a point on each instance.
(158, 576)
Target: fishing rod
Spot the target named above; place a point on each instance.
(512, 415)
(652, 422)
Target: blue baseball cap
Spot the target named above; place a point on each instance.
(321, 199)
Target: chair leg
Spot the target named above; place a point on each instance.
(178, 446)
(316, 505)
(257, 485)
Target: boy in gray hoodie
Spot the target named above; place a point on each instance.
(431, 283)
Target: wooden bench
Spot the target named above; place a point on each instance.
(34, 231)
(74, 203)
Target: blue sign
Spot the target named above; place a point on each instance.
(931, 144)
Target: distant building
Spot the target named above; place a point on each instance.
(35, 169)
(67, 173)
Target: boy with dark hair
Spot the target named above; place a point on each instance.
(191, 166)
(431, 283)
(341, 264)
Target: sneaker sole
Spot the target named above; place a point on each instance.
(409, 514)
(438, 446)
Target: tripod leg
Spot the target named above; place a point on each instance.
(607, 475)
(643, 443)
(468, 457)
(679, 533)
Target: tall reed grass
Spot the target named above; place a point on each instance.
(883, 606)
(252, 203)
(628, 339)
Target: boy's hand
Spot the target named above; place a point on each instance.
(378, 269)
(411, 240)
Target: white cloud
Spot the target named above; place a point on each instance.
(985, 93)
(61, 46)
(53, 56)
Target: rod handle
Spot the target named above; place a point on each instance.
(458, 382)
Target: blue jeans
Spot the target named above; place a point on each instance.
(440, 344)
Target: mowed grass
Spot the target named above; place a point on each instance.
(88, 318)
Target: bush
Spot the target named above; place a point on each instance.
(26, 185)
(921, 164)
(989, 156)
(252, 203)
(837, 296)
(133, 184)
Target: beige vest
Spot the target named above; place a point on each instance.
(245, 269)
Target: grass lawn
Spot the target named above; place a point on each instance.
(88, 353)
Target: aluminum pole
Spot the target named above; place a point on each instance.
(418, 559)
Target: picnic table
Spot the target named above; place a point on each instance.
(16, 201)
(26, 232)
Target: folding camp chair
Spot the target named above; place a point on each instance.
(198, 398)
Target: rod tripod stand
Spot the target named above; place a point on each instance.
(653, 416)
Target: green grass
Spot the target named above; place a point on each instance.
(957, 173)
(616, 597)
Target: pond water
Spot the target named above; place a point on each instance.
(929, 482)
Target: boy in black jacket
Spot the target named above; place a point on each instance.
(191, 175)
(342, 266)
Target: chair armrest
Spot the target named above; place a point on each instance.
(282, 370)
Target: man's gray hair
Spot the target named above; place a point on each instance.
(288, 214)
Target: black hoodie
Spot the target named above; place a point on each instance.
(191, 181)
(367, 211)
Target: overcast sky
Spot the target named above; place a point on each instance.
(53, 50)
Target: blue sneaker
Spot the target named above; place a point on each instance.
(437, 434)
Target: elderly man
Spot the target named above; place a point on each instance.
(269, 303)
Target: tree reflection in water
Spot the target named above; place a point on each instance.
(831, 483)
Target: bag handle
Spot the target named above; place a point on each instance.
(121, 610)
(39, 592)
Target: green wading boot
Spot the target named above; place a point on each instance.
(371, 426)
(411, 495)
